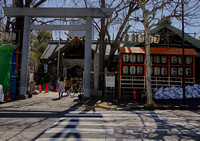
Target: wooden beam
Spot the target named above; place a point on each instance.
(58, 12)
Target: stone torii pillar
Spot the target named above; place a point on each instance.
(87, 13)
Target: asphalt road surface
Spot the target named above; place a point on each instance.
(44, 117)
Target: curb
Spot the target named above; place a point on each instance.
(183, 107)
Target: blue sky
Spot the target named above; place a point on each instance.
(135, 25)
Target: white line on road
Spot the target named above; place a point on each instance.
(73, 139)
(79, 131)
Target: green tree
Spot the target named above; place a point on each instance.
(38, 45)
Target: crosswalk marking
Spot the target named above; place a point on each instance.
(73, 130)
(116, 118)
(108, 125)
(74, 139)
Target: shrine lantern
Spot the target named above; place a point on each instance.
(151, 58)
(164, 71)
(157, 71)
(132, 58)
(139, 70)
(1, 36)
(180, 71)
(140, 58)
(188, 72)
(188, 60)
(164, 59)
(173, 71)
(151, 70)
(180, 60)
(125, 69)
(125, 57)
(157, 59)
(173, 59)
(132, 70)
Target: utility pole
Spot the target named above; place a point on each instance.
(184, 98)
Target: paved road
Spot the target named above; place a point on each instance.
(46, 118)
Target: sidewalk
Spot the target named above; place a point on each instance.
(162, 104)
(120, 104)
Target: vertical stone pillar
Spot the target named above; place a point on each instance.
(87, 60)
(24, 60)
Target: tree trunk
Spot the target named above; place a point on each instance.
(113, 47)
(101, 50)
(148, 65)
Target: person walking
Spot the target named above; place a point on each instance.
(69, 83)
(61, 87)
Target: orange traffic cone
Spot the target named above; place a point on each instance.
(134, 94)
(40, 88)
(56, 88)
(46, 88)
(7, 98)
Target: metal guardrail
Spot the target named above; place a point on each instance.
(139, 82)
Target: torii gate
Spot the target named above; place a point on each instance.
(27, 13)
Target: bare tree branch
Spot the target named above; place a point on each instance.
(39, 3)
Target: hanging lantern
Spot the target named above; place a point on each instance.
(180, 60)
(173, 71)
(1, 36)
(139, 70)
(188, 60)
(156, 38)
(156, 59)
(132, 58)
(6, 36)
(14, 36)
(157, 71)
(164, 71)
(125, 69)
(141, 38)
(10, 37)
(180, 71)
(164, 59)
(132, 70)
(188, 72)
(126, 38)
(174, 59)
(125, 57)
(151, 70)
(133, 38)
(151, 58)
(139, 58)
(151, 39)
